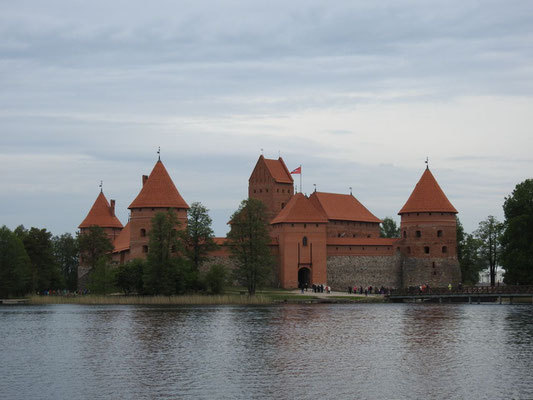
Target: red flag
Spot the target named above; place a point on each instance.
(297, 170)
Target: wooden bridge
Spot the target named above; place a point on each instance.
(462, 294)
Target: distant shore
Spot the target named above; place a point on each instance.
(231, 297)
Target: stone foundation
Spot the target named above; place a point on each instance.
(437, 272)
(347, 271)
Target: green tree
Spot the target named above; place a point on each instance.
(95, 249)
(66, 252)
(44, 267)
(162, 275)
(249, 240)
(489, 234)
(198, 237)
(215, 279)
(517, 239)
(129, 276)
(389, 229)
(468, 255)
(15, 268)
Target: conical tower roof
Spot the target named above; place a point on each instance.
(101, 215)
(299, 209)
(427, 196)
(159, 191)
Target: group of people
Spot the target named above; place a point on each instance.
(316, 288)
(368, 290)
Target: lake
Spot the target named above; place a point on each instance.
(368, 351)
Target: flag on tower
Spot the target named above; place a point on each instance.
(297, 170)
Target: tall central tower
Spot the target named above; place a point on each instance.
(272, 183)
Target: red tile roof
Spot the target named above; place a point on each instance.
(101, 215)
(278, 170)
(122, 242)
(299, 209)
(342, 207)
(427, 196)
(361, 241)
(159, 191)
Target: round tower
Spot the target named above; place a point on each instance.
(428, 236)
(158, 194)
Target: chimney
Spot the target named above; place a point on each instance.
(145, 178)
(113, 208)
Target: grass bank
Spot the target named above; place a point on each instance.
(231, 296)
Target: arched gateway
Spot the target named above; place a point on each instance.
(304, 276)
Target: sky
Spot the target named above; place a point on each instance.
(357, 92)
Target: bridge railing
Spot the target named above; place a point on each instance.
(464, 290)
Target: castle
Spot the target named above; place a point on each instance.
(326, 238)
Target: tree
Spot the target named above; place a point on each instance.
(215, 279)
(15, 269)
(198, 237)
(517, 239)
(489, 235)
(163, 264)
(129, 276)
(95, 249)
(389, 229)
(468, 255)
(44, 267)
(65, 248)
(249, 240)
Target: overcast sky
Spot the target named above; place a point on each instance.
(357, 92)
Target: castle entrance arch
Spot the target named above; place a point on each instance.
(304, 276)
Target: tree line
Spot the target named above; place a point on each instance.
(33, 261)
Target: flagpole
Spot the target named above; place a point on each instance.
(301, 178)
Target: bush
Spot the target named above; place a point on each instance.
(215, 279)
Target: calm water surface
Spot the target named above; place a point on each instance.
(395, 351)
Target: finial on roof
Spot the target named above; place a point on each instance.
(159, 153)
(314, 184)
(101, 186)
(427, 162)
(351, 191)
(262, 152)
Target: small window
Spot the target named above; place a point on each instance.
(304, 241)
(266, 190)
(418, 234)
(444, 249)
(145, 249)
(143, 232)
(404, 234)
(368, 236)
(426, 249)
(292, 225)
(278, 190)
(255, 191)
(316, 225)
(282, 206)
(338, 235)
(433, 264)
(153, 209)
(353, 235)
(408, 250)
(305, 225)
(439, 233)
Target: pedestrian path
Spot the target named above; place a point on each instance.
(332, 294)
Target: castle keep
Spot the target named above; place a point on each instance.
(327, 238)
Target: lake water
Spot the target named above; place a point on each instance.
(395, 351)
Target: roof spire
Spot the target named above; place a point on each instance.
(351, 191)
(101, 186)
(314, 184)
(262, 152)
(159, 153)
(427, 162)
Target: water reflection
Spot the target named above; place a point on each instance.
(293, 351)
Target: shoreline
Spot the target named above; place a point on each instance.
(261, 298)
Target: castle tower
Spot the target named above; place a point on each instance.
(428, 236)
(300, 230)
(158, 194)
(272, 183)
(102, 214)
